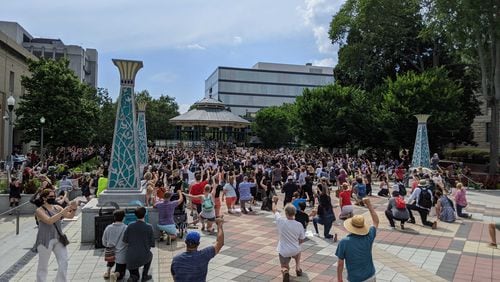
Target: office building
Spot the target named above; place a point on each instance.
(83, 62)
(246, 90)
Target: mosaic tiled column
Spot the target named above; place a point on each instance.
(124, 171)
(141, 134)
(421, 153)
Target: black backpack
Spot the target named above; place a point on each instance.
(402, 189)
(425, 198)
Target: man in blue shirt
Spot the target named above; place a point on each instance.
(192, 265)
(356, 248)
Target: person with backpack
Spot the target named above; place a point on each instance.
(207, 208)
(396, 210)
(400, 187)
(421, 201)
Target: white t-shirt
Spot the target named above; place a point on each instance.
(290, 231)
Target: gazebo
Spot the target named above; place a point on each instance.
(210, 121)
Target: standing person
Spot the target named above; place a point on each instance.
(291, 236)
(49, 216)
(192, 265)
(102, 182)
(396, 210)
(139, 239)
(308, 189)
(14, 192)
(461, 201)
(325, 215)
(230, 195)
(356, 248)
(421, 201)
(217, 187)
(113, 238)
(289, 188)
(84, 184)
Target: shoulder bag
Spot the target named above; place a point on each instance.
(62, 237)
(109, 252)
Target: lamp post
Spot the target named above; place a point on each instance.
(11, 102)
(42, 122)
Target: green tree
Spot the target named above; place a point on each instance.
(69, 106)
(274, 125)
(107, 117)
(378, 39)
(335, 116)
(434, 93)
(158, 112)
(473, 28)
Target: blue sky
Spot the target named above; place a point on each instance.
(181, 42)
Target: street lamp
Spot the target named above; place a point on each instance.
(42, 122)
(11, 102)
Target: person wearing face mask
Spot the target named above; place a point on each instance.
(47, 239)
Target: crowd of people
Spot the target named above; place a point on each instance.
(312, 183)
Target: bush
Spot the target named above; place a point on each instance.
(468, 155)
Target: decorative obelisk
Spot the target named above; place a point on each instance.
(124, 176)
(142, 134)
(421, 153)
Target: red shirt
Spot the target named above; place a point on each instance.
(197, 189)
(346, 197)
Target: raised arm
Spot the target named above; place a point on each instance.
(373, 213)
(181, 196)
(220, 235)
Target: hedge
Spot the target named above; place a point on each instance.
(469, 155)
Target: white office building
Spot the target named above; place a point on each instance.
(82, 61)
(246, 90)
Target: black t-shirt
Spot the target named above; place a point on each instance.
(302, 217)
(289, 188)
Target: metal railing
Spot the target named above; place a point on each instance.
(17, 212)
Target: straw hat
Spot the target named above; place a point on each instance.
(356, 225)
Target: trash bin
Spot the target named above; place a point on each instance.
(104, 219)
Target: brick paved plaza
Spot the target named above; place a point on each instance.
(453, 252)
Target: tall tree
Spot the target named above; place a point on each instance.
(474, 28)
(107, 116)
(69, 106)
(274, 125)
(334, 116)
(378, 39)
(431, 92)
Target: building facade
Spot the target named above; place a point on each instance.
(84, 62)
(13, 65)
(246, 90)
(482, 124)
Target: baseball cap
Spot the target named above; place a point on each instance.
(193, 238)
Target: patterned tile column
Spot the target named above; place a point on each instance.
(421, 153)
(141, 134)
(123, 168)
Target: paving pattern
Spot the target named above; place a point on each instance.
(453, 252)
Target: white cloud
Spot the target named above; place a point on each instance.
(237, 40)
(130, 25)
(326, 62)
(164, 77)
(195, 46)
(317, 15)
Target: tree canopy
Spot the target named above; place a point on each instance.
(54, 92)
(158, 112)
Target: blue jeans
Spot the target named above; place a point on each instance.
(327, 221)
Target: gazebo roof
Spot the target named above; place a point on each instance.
(209, 112)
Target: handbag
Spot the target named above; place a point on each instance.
(109, 252)
(63, 239)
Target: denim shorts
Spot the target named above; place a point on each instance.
(169, 228)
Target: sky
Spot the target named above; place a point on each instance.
(181, 42)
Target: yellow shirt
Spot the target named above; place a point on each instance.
(102, 184)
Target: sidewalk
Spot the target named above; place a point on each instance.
(453, 252)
